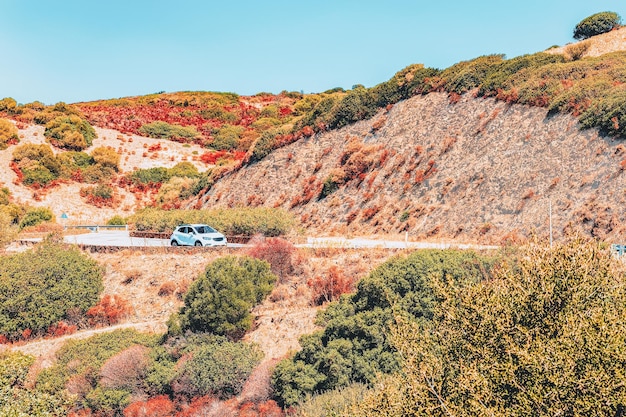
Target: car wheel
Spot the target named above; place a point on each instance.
(198, 243)
(174, 242)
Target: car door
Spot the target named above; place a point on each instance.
(187, 235)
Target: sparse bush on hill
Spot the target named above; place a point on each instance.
(38, 166)
(184, 170)
(8, 104)
(5, 196)
(40, 286)
(467, 75)
(221, 299)
(175, 191)
(597, 24)
(354, 346)
(34, 216)
(608, 114)
(160, 175)
(546, 336)
(227, 137)
(498, 76)
(8, 134)
(106, 157)
(164, 130)
(70, 132)
(116, 220)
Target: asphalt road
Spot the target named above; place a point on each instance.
(122, 239)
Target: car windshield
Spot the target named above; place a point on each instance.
(204, 229)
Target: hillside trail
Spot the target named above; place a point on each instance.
(45, 349)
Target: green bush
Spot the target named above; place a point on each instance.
(160, 175)
(354, 345)
(466, 75)
(227, 137)
(597, 24)
(106, 156)
(18, 400)
(153, 175)
(38, 164)
(184, 170)
(8, 134)
(8, 105)
(357, 104)
(116, 220)
(5, 196)
(176, 190)
(608, 113)
(497, 77)
(14, 368)
(232, 222)
(35, 216)
(40, 286)
(70, 132)
(164, 130)
(220, 369)
(337, 402)
(8, 230)
(545, 337)
(219, 113)
(220, 301)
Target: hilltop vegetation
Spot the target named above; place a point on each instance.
(237, 131)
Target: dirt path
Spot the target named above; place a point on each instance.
(45, 349)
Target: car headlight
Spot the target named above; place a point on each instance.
(206, 238)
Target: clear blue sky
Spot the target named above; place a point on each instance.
(82, 50)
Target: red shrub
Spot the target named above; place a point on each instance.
(278, 252)
(26, 333)
(370, 212)
(109, 311)
(160, 406)
(352, 216)
(265, 409)
(155, 147)
(330, 287)
(61, 329)
(199, 407)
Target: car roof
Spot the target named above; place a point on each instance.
(194, 225)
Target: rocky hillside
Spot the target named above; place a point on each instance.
(476, 169)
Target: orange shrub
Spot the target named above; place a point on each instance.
(160, 406)
(61, 329)
(110, 310)
(331, 286)
(278, 252)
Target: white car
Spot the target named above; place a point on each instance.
(196, 235)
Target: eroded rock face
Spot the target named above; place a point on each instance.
(477, 170)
